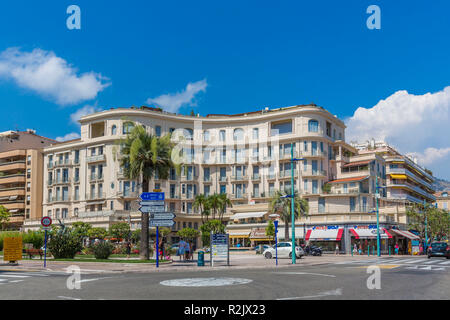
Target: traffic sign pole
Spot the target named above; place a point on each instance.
(157, 247)
(45, 249)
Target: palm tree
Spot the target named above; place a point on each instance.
(225, 202)
(143, 155)
(214, 203)
(201, 203)
(282, 205)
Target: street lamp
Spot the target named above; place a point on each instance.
(275, 217)
(294, 256)
(377, 196)
(425, 205)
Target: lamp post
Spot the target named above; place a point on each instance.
(292, 203)
(377, 211)
(275, 217)
(425, 206)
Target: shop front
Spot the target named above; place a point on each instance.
(364, 239)
(326, 237)
(258, 236)
(239, 238)
(408, 242)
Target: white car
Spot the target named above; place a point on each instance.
(284, 251)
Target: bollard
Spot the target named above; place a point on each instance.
(389, 251)
(368, 251)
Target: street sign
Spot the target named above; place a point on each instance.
(147, 209)
(220, 248)
(161, 223)
(46, 222)
(162, 216)
(12, 249)
(152, 203)
(153, 196)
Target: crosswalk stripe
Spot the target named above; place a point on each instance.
(29, 274)
(445, 262)
(393, 261)
(13, 276)
(417, 261)
(429, 262)
(410, 260)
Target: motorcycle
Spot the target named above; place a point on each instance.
(316, 251)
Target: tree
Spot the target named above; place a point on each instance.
(120, 230)
(142, 156)
(136, 235)
(97, 233)
(211, 226)
(438, 221)
(4, 216)
(81, 229)
(282, 205)
(34, 237)
(218, 204)
(270, 229)
(201, 204)
(225, 202)
(189, 235)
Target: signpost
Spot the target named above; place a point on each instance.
(153, 203)
(46, 222)
(220, 247)
(12, 249)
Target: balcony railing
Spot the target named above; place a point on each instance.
(59, 181)
(129, 194)
(96, 177)
(239, 196)
(314, 173)
(256, 177)
(317, 153)
(97, 158)
(287, 173)
(223, 179)
(239, 178)
(95, 196)
(59, 199)
(207, 179)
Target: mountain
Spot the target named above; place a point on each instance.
(441, 184)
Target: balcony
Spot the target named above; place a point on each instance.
(287, 155)
(59, 199)
(13, 178)
(189, 178)
(348, 191)
(287, 174)
(223, 179)
(410, 174)
(129, 194)
(61, 181)
(207, 179)
(13, 165)
(239, 196)
(62, 163)
(95, 196)
(314, 154)
(256, 177)
(261, 195)
(8, 192)
(97, 158)
(173, 196)
(96, 177)
(411, 187)
(271, 176)
(314, 173)
(239, 178)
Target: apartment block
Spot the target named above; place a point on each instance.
(21, 168)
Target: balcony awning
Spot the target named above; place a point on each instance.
(405, 234)
(369, 232)
(245, 215)
(349, 179)
(13, 211)
(358, 163)
(398, 176)
(327, 233)
(238, 234)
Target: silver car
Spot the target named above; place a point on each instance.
(284, 251)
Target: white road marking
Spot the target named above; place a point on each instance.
(445, 262)
(13, 276)
(336, 292)
(307, 273)
(417, 261)
(15, 281)
(87, 280)
(429, 262)
(204, 282)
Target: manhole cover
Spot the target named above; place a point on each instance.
(205, 282)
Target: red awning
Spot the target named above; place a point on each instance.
(369, 233)
(405, 234)
(324, 234)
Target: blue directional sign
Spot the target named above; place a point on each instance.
(152, 196)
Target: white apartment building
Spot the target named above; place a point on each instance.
(247, 156)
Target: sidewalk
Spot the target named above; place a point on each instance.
(237, 261)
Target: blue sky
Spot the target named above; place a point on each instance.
(234, 56)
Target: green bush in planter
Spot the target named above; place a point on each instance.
(102, 250)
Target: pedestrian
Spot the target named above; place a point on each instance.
(360, 249)
(396, 249)
(336, 251)
(355, 249)
(128, 249)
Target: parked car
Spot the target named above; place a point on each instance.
(264, 246)
(284, 251)
(439, 249)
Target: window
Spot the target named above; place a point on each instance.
(238, 134)
(127, 127)
(352, 204)
(222, 135)
(305, 185)
(305, 145)
(188, 133)
(64, 212)
(158, 131)
(223, 189)
(127, 205)
(114, 130)
(206, 136)
(77, 193)
(313, 126)
(281, 128)
(321, 205)
(255, 133)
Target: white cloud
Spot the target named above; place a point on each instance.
(415, 124)
(172, 102)
(50, 76)
(69, 136)
(87, 109)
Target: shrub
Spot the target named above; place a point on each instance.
(34, 237)
(102, 250)
(64, 245)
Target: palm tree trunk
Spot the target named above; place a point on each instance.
(143, 253)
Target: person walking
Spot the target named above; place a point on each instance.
(128, 249)
(355, 249)
(396, 249)
(336, 251)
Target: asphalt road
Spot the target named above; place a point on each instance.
(345, 280)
